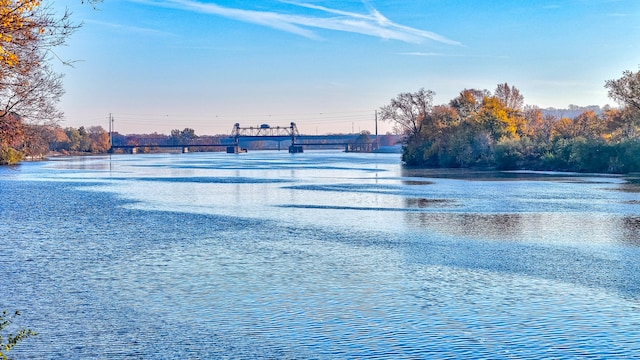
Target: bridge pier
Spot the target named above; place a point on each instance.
(294, 149)
(235, 150)
(185, 150)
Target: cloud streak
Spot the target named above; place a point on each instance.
(130, 29)
(372, 23)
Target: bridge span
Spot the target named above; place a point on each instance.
(288, 134)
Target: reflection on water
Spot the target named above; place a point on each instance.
(631, 230)
(422, 203)
(317, 255)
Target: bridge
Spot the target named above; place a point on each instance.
(290, 133)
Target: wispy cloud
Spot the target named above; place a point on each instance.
(422, 54)
(128, 28)
(371, 23)
(435, 54)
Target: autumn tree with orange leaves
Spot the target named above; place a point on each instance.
(29, 88)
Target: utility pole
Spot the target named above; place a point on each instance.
(377, 142)
(111, 130)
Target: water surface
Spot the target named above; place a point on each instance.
(316, 255)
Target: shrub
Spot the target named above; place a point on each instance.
(10, 156)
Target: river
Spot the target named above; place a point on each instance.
(320, 255)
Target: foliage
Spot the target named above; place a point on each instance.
(11, 340)
(10, 156)
(626, 90)
(510, 97)
(478, 129)
(512, 154)
(180, 137)
(408, 111)
(28, 85)
(100, 142)
(11, 130)
(17, 25)
(364, 137)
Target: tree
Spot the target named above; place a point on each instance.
(29, 88)
(626, 90)
(175, 138)
(28, 29)
(537, 126)
(494, 117)
(590, 125)
(468, 102)
(85, 139)
(73, 136)
(10, 156)
(444, 116)
(364, 137)
(478, 129)
(11, 135)
(28, 34)
(509, 96)
(408, 111)
(564, 129)
(16, 26)
(622, 123)
(11, 340)
(187, 135)
(182, 137)
(36, 141)
(59, 140)
(11, 130)
(33, 94)
(99, 139)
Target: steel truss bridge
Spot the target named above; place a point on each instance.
(265, 132)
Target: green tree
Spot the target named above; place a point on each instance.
(175, 137)
(73, 136)
(629, 155)
(85, 139)
(10, 156)
(187, 135)
(182, 137)
(7, 342)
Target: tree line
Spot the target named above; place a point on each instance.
(19, 140)
(495, 129)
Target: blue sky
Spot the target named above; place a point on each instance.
(158, 65)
